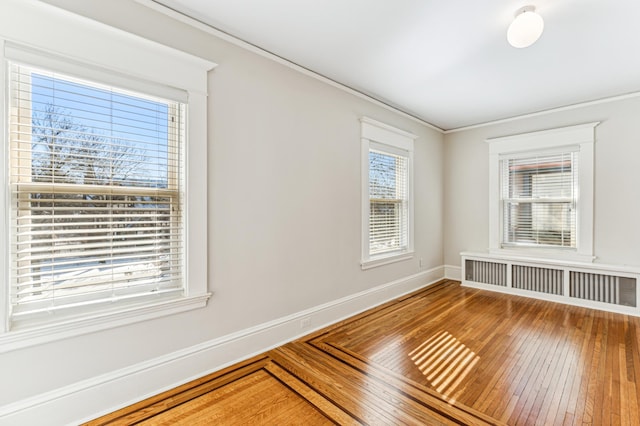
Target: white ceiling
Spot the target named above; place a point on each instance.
(445, 62)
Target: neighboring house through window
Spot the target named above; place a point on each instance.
(542, 193)
(387, 190)
(540, 200)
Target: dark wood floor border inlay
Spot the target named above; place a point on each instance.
(155, 405)
(441, 355)
(421, 394)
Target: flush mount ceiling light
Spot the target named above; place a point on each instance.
(526, 28)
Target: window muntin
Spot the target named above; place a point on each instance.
(96, 183)
(388, 202)
(539, 197)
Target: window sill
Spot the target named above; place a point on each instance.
(550, 254)
(385, 260)
(13, 340)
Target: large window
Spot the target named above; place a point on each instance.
(541, 197)
(387, 201)
(103, 183)
(96, 177)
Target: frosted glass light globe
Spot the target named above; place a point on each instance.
(525, 29)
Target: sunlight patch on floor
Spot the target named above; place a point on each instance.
(444, 361)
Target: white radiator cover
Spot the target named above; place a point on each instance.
(606, 287)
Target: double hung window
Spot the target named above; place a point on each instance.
(541, 193)
(388, 200)
(387, 193)
(96, 177)
(103, 223)
(539, 199)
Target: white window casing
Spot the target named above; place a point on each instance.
(387, 200)
(110, 57)
(566, 189)
(96, 177)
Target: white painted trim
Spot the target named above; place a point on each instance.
(76, 42)
(580, 138)
(379, 131)
(453, 272)
(601, 267)
(386, 138)
(103, 46)
(543, 139)
(87, 399)
(178, 16)
(567, 267)
(364, 200)
(255, 49)
(544, 112)
(13, 340)
(625, 310)
(386, 260)
(5, 200)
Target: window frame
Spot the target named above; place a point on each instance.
(579, 138)
(525, 181)
(112, 56)
(383, 138)
(23, 185)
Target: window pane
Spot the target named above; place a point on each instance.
(96, 178)
(551, 224)
(89, 135)
(388, 195)
(539, 196)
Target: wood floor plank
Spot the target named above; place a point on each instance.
(507, 385)
(174, 397)
(363, 397)
(423, 395)
(441, 355)
(254, 399)
(325, 406)
(580, 380)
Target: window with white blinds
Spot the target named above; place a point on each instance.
(96, 177)
(541, 193)
(387, 205)
(539, 196)
(388, 202)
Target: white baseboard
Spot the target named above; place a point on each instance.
(103, 394)
(453, 272)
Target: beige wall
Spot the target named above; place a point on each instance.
(284, 207)
(617, 178)
(284, 202)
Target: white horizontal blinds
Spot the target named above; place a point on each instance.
(539, 199)
(388, 202)
(96, 177)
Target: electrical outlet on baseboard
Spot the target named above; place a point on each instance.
(305, 322)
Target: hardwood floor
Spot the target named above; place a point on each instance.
(443, 355)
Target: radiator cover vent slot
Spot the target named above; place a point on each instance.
(486, 272)
(603, 288)
(541, 280)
